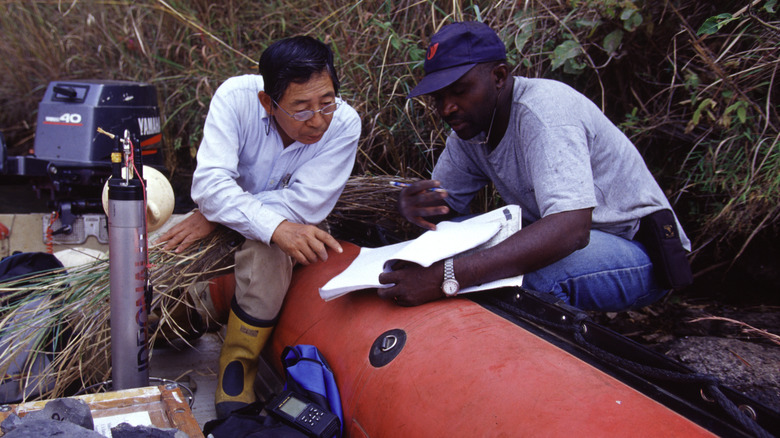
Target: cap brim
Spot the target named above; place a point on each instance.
(439, 79)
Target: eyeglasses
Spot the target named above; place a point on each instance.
(305, 115)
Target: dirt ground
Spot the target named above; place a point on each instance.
(726, 324)
(739, 344)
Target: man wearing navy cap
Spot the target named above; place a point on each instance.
(583, 187)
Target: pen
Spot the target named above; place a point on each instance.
(402, 184)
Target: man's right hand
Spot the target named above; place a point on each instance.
(304, 243)
(417, 202)
(181, 235)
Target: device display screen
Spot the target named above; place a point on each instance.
(293, 407)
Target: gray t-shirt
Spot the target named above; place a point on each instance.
(559, 153)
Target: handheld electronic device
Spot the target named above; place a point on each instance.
(295, 410)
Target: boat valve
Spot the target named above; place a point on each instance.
(386, 347)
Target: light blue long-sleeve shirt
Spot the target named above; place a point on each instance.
(246, 180)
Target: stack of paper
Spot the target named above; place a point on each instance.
(449, 239)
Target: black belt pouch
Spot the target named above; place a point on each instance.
(658, 233)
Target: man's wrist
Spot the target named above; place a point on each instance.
(450, 285)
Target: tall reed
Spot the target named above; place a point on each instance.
(693, 82)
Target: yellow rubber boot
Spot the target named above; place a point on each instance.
(238, 361)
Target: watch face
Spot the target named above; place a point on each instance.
(450, 287)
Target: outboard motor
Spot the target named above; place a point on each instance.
(73, 161)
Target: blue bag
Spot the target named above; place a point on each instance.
(308, 373)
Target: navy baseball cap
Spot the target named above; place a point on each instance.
(456, 49)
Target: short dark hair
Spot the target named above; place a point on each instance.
(295, 60)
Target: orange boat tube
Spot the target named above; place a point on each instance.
(452, 368)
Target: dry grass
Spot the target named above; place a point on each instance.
(68, 312)
(702, 108)
(366, 212)
(746, 328)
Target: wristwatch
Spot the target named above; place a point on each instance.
(450, 285)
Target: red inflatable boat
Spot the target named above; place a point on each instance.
(453, 368)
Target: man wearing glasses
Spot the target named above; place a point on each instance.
(277, 150)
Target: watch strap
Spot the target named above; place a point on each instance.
(450, 285)
(449, 269)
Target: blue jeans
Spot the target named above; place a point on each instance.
(610, 274)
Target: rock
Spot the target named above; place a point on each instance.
(60, 417)
(125, 430)
(10, 423)
(65, 409)
(748, 367)
(50, 428)
(69, 417)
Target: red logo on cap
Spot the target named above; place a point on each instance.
(432, 51)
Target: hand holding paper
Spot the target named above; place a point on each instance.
(449, 239)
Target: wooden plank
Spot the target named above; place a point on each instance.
(161, 406)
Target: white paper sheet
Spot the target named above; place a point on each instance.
(449, 239)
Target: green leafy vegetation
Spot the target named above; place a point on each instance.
(692, 82)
